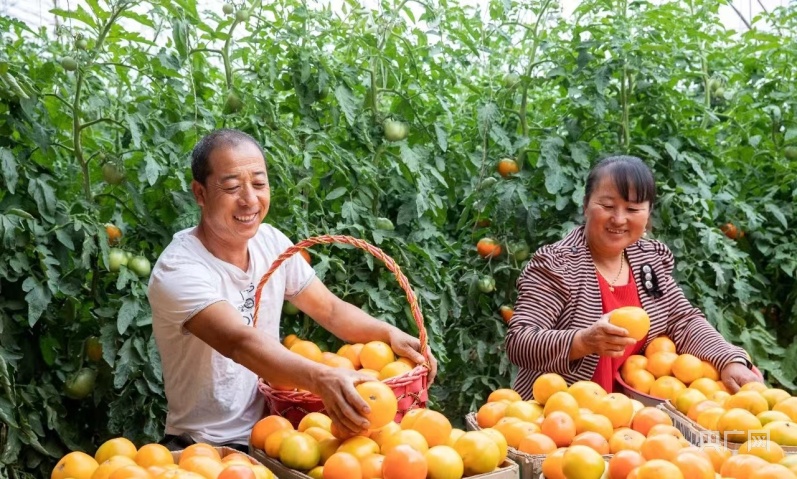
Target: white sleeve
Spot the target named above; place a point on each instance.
(178, 294)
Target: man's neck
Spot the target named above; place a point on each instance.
(236, 254)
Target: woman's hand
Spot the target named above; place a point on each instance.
(343, 404)
(409, 347)
(736, 375)
(604, 339)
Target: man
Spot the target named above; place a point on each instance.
(202, 295)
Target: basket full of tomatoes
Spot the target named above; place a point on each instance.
(407, 380)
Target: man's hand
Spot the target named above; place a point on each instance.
(605, 339)
(409, 347)
(336, 387)
(736, 375)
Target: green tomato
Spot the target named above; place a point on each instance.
(233, 104)
(69, 64)
(384, 224)
(486, 284)
(82, 44)
(112, 173)
(289, 308)
(395, 130)
(227, 9)
(116, 259)
(140, 266)
(511, 79)
(80, 384)
(714, 84)
(520, 250)
(790, 152)
(242, 15)
(488, 182)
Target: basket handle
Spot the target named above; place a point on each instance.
(364, 245)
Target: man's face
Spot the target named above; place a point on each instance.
(236, 196)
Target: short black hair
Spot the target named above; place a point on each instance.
(627, 173)
(225, 137)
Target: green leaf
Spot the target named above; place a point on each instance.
(38, 298)
(410, 157)
(337, 193)
(65, 238)
(48, 346)
(126, 364)
(80, 14)
(151, 169)
(135, 131)
(7, 412)
(127, 313)
(347, 103)
(8, 167)
(777, 213)
(44, 195)
(650, 151)
(671, 150)
(442, 136)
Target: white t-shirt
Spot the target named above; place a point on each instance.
(211, 397)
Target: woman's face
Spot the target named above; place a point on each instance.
(612, 223)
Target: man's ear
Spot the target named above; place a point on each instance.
(199, 192)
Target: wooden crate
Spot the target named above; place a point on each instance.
(530, 464)
(507, 470)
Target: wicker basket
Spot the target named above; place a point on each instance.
(645, 399)
(530, 464)
(411, 388)
(700, 436)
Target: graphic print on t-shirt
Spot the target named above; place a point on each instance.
(247, 307)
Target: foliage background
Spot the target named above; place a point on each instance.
(712, 113)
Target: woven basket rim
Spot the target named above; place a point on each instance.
(418, 372)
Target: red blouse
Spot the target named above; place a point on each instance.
(625, 295)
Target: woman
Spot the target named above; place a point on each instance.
(565, 292)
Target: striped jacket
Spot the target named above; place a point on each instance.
(558, 294)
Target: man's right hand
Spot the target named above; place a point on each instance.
(343, 404)
(605, 339)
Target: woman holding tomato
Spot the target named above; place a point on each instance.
(566, 291)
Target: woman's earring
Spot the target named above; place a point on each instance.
(645, 234)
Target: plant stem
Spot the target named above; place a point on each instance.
(77, 127)
(524, 99)
(625, 87)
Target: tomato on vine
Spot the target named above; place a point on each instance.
(140, 266)
(395, 130)
(80, 384)
(112, 173)
(116, 259)
(69, 64)
(486, 284)
(488, 248)
(384, 224)
(114, 233)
